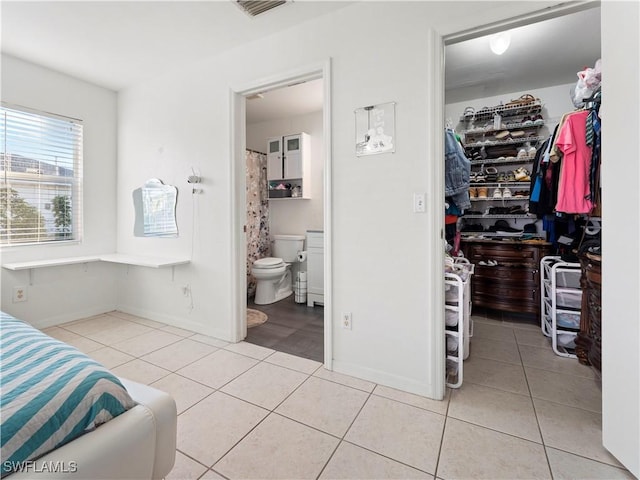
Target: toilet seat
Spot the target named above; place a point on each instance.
(268, 262)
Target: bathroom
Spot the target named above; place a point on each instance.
(281, 214)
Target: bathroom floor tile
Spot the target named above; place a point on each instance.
(135, 318)
(573, 430)
(94, 324)
(278, 448)
(401, 432)
(179, 354)
(490, 373)
(469, 451)
(265, 385)
(324, 405)
(496, 409)
(217, 368)
(437, 406)
(181, 332)
(185, 392)
(214, 342)
(351, 462)
(569, 390)
(211, 427)
(566, 466)
(83, 344)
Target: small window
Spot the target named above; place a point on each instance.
(41, 177)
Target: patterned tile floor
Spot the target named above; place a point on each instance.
(247, 411)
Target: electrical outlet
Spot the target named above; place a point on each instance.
(19, 294)
(346, 321)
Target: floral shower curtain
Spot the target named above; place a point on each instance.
(258, 245)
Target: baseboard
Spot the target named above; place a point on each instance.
(384, 378)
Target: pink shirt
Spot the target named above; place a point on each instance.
(574, 169)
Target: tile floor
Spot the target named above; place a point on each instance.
(291, 327)
(247, 411)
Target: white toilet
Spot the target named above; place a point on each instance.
(273, 274)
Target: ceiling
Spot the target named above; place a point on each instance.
(286, 102)
(540, 55)
(116, 44)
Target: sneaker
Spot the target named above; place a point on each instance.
(482, 192)
(473, 192)
(506, 193)
(523, 154)
(497, 193)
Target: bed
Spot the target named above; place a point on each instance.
(63, 415)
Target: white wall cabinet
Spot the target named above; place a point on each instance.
(289, 165)
(315, 267)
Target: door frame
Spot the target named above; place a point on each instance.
(237, 168)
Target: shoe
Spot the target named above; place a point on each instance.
(511, 177)
(527, 121)
(532, 153)
(517, 133)
(503, 228)
(538, 120)
(491, 174)
(506, 193)
(504, 134)
(468, 113)
(523, 154)
(472, 177)
(497, 193)
(482, 192)
(521, 173)
(480, 177)
(520, 194)
(473, 192)
(502, 177)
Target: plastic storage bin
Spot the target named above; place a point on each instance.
(569, 299)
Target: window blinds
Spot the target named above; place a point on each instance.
(41, 177)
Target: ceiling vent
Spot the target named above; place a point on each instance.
(256, 7)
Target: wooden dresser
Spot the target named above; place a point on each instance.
(589, 339)
(513, 285)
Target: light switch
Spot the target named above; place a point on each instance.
(418, 203)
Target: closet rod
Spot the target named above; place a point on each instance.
(255, 151)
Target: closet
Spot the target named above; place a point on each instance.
(529, 197)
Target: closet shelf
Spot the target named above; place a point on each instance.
(526, 215)
(526, 184)
(509, 199)
(511, 141)
(510, 126)
(534, 106)
(501, 160)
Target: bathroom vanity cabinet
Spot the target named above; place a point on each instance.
(289, 163)
(315, 267)
(513, 283)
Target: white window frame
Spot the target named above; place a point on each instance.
(50, 149)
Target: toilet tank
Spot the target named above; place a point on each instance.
(286, 247)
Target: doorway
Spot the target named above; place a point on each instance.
(278, 108)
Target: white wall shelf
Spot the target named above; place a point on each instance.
(122, 258)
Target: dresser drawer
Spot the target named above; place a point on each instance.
(520, 276)
(504, 253)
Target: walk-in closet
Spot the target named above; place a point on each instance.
(522, 190)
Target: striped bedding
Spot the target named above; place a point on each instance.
(50, 393)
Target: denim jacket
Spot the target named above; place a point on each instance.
(457, 168)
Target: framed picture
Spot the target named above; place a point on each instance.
(375, 129)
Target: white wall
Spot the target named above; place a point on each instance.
(621, 233)
(67, 293)
(187, 113)
(294, 216)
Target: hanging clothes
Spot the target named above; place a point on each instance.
(457, 169)
(574, 188)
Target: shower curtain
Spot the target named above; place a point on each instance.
(258, 245)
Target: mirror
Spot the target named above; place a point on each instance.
(155, 207)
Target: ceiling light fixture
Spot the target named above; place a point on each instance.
(500, 42)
